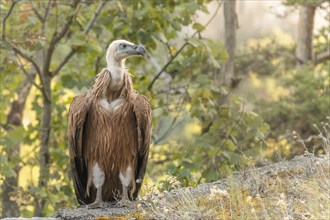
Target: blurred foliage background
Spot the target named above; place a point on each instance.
(218, 106)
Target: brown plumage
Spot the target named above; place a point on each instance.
(109, 133)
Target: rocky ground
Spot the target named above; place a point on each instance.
(289, 189)
(111, 212)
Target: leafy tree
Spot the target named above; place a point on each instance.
(202, 128)
(304, 99)
(62, 44)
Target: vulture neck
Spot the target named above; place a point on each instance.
(113, 82)
(117, 70)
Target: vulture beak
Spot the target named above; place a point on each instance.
(140, 50)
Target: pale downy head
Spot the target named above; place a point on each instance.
(119, 50)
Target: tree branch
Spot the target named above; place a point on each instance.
(97, 64)
(3, 36)
(180, 106)
(46, 12)
(182, 47)
(36, 12)
(93, 19)
(58, 36)
(168, 131)
(228, 135)
(86, 31)
(64, 61)
(29, 76)
(166, 65)
(34, 64)
(319, 58)
(167, 46)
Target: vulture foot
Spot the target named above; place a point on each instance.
(124, 203)
(97, 205)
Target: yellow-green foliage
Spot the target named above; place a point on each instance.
(203, 130)
(295, 194)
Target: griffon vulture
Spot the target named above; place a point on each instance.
(109, 133)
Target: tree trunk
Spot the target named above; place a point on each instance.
(44, 148)
(10, 208)
(14, 119)
(230, 18)
(305, 33)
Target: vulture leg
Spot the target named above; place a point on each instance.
(126, 180)
(98, 203)
(125, 194)
(98, 181)
(124, 202)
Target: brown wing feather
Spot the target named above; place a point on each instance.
(78, 113)
(142, 111)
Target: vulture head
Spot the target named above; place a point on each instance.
(119, 50)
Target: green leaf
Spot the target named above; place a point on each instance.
(203, 80)
(197, 26)
(187, 163)
(171, 168)
(3, 160)
(42, 193)
(68, 81)
(176, 26)
(8, 172)
(67, 190)
(26, 213)
(210, 174)
(16, 134)
(195, 42)
(79, 39)
(230, 145)
(185, 173)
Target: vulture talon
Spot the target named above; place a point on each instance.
(124, 203)
(97, 205)
(80, 206)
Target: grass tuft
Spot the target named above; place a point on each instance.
(298, 189)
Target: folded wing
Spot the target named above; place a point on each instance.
(142, 111)
(78, 114)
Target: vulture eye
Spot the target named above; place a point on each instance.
(123, 46)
